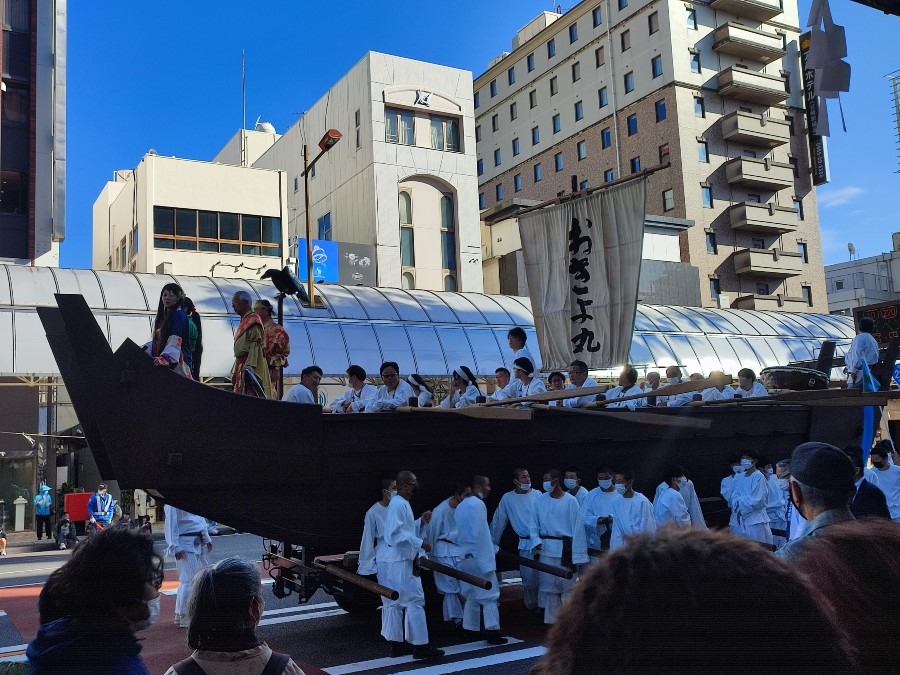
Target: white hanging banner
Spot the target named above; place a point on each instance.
(583, 264)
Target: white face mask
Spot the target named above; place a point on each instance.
(153, 607)
(746, 464)
(605, 483)
(525, 486)
(392, 493)
(480, 495)
(570, 483)
(737, 468)
(682, 481)
(783, 483)
(674, 380)
(548, 486)
(770, 471)
(621, 488)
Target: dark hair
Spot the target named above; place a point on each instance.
(581, 365)
(467, 374)
(855, 453)
(751, 453)
(357, 371)
(747, 373)
(460, 487)
(386, 483)
(420, 382)
(605, 467)
(734, 458)
(553, 473)
(389, 364)
(572, 469)
(107, 572)
(479, 480)
(674, 593)
(503, 370)
(162, 324)
(673, 471)
(518, 472)
(866, 325)
(627, 474)
(824, 500)
(880, 450)
(630, 373)
(309, 370)
(219, 605)
(518, 333)
(556, 373)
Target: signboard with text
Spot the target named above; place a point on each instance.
(337, 262)
(818, 150)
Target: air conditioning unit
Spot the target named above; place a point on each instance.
(724, 301)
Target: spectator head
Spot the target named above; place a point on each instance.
(822, 479)
(687, 600)
(578, 372)
(556, 380)
(264, 308)
(516, 338)
(673, 373)
(628, 376)
(523, 368)
(502, 375)
(866, 325)
(310, 378)
(879, 455)
(652, 379)
(356, 372)
(390, 370)
(188, 306)
(241, 302)
(855, 453)
(418, 383)
(746, 376)
(225, 605)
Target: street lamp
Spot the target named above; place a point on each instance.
(329, 140)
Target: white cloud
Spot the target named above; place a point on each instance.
(838, 196)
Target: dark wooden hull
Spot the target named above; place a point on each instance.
(285, 471)
(794, 378)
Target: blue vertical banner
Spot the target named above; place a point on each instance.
(325, 260)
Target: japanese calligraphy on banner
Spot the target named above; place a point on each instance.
(583, 263)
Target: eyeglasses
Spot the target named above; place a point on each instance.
(384, 375)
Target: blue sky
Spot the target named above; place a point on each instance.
(167, 76)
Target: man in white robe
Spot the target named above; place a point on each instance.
(516, 509)
(691, 501)
(886, 477)
(558, 531)
(308, 389)
(572, 483)
(669, 508)
(578, 378)
(749, 386)
(721, 393)
(505, 388)
(358, 393)
(632, 512)
(597, 511)
(726, 489)
(529, 385)
(394, 393)
(478, 557)
(441, 533)
(673, 376)
(373, 529)
(187, 540)
(516, 338)
(627, 387)
(403, 622)
(863, 349)
(775, 506)
(750, 499)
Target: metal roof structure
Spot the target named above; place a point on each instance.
(423, 331)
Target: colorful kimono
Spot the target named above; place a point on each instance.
(175, 352)
(277, 349)
(249, 348)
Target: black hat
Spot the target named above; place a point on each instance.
(823, 466)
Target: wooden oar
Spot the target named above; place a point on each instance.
(668, 390)
(476, 411)
(818, 398)
(647, 418)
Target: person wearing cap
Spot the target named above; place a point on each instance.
(464, 389)
(822, 483)
(308, 389)
(394, 393)
(627, 387)
(187, 540)
(516, 509)
(749, 386)
(278, 344)
(42, 503)
(358, 393)
(101, 507)
(424, 394)
(750, 499)
(886, 477)
(529, 385)
(863, 349)
(578, 378)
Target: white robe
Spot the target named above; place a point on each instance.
(404, 618)
(456, 400)
(758, 390)
(775, 506)
(669, 509)
(478, 556)
(631, 516)
(372, 539)
(517, 510)
(750, 499)
(442, 534)
(389, 400)
(536, 386)
(580, 401)
(185, 534)
(888, 481)
(675, 400)
(358, 399)
(619, 392)
(691, 501)
(300, 393)
(713, 394)
(863, 348)
(597, 504)
(425, 399)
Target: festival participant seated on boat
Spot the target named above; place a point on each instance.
(669, 508)
(505, 389)
(464, 389)
(558, 534)
(529, 385)
(869, 501)
(372, 541)
(403, 620)
(478, 558)
(673, 376)
(750, 498)
(651, 384)
(863, 349)
(556, 381)
(596, 510)
(516, 508)
(422, 391)
(627, 387)
(572, 483)
(358, 393)
(578, 378)
(171, 333)
(822, 484)
(249, 350)
(749, 386)
(278, 344)
(394, 393)
(632, 512)
(886, 477)
(686, 600)
(721, 393)
(308, 389)
(517, 338)
(441, 533)
(726, 489)
(691, 501)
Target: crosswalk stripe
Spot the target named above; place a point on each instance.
(301, 617)
(298, 608)
(403, 660)
(12, 650)
(481, 662)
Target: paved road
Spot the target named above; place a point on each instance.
(319, 635)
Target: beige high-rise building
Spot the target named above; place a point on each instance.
(610, 88)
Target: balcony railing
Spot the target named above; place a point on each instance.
(759, 173)
(761, 10)
(777, 303)
(744, 127)
(767, 218)
(768, 262)
(749, 85)
(747, 43)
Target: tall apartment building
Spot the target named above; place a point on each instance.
(32, 131)
(610, 88)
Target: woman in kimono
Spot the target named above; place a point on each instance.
(171, 334)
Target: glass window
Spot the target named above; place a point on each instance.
(530, 61)
(448, 250)
(632, 125)
(579, 111)
(664, 153)
(711, 245)
(762, 289)
(609, 175)
(498, 189)
(163, 243)
(757, 242)
(661, 110)
(406, 208)
(495, 122)
(695, 62)
(656, 66)
(715, 290)
(554, 85)
(481, 200)
(448, 222)
(511, 75)
(477, 99)
(798, 207)
(517, 182)
(557, 124)
(668, 200)
(597, 16)
(407, 128)
(653, 22)
(324, 223)
(558, 161)
(807, 294)
(251, 228)
(625, 37)
(629, 82)
(493, 88)
(229, 226)
(551, 48)
(535, 135)
(480, 166)
(606, 138)
(515, 146)
(706, 196)
(604, 98)
(532, 98)
(600, 56)
(538, 172)
(513, 112)
(450, 283)
(692, 19)
(699, 107)
(623, 4)
(407, 247)
(163, 218)
(576, 71)
(208, 224)
(437, 133)
(582, 150)
(635, 164)
(756, 199)
(702, 151)
(478, 133)
(803, 250)
(391, 128)
(497, 157)
(573, 33)
(271, 230)
(584, 185)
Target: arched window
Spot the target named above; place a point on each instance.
(408, 281)
(449, 282)
(405, 209)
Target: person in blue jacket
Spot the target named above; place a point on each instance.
(42, 503)
(101, 507)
